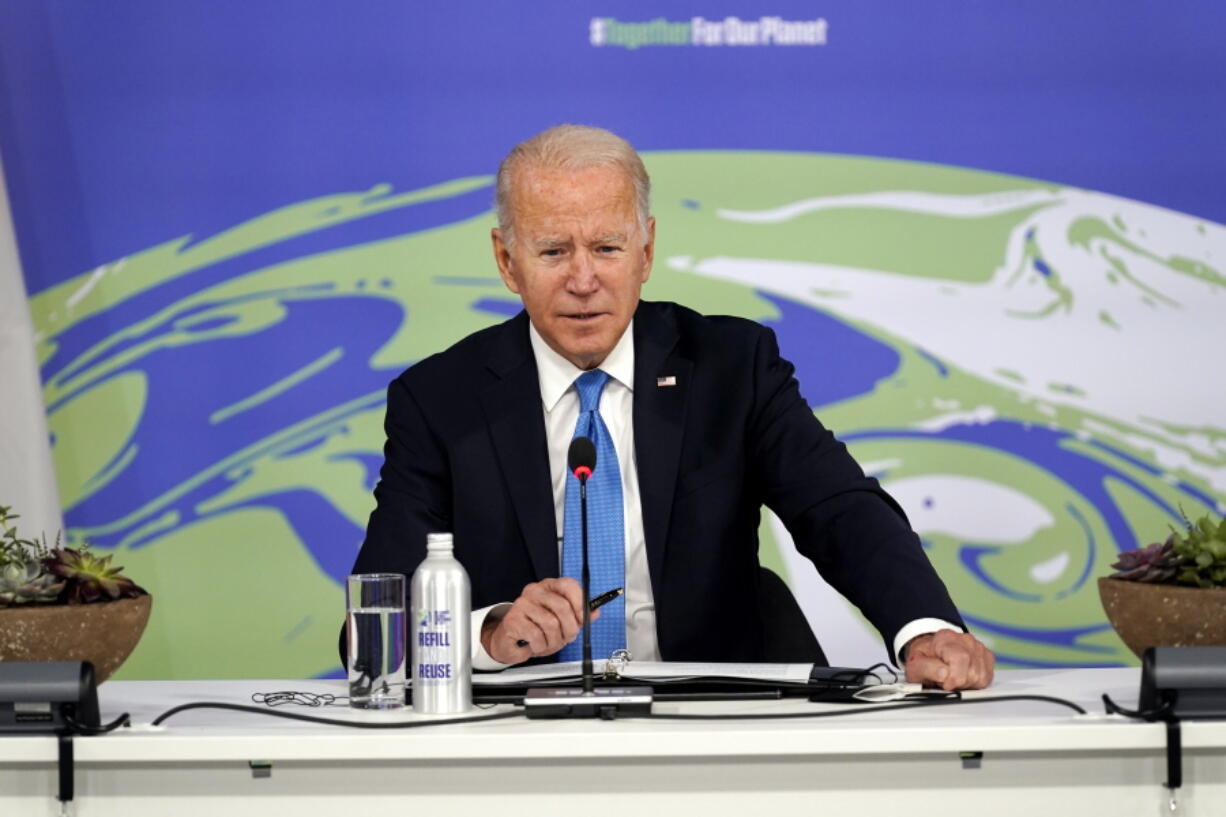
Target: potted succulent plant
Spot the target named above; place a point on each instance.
(65, 604)
(1171, 593)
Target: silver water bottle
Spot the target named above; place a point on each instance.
(441, 646)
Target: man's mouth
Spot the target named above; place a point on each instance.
(582, 316)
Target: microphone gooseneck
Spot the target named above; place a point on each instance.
(581, 460)
(606, 702)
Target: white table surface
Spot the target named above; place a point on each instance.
(1036, 755)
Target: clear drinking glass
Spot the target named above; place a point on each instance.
(376, 621)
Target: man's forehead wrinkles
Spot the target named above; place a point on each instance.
(566, 239)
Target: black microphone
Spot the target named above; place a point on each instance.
(606, 702)
(581, 460)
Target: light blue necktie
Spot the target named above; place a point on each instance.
(606, 543)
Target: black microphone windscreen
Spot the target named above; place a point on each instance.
(582, 453)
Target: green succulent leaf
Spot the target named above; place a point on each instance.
(27, 584)
(1201, 548)
(33, 573)
(89, 577)
(1194, 556)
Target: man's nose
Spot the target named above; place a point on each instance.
(582, 279)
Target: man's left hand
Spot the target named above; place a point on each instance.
(949, 660)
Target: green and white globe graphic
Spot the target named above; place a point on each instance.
(1017, 362)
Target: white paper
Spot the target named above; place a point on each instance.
(649, 670)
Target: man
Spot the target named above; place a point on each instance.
(699, 422)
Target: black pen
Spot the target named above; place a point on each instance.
(604, 598)
(592, 606)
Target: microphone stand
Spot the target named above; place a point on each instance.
(588, 701)
(587, 590)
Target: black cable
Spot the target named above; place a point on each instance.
(1158, 714)
(859, 676)
(311, 699)
(959, 701)
(67, 772)
(1174, 740)
(79, 728)
(332, 721)
(862, 709)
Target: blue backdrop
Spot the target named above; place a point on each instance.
(237, 221)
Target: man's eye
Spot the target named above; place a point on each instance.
(608, 248)
(551, 253)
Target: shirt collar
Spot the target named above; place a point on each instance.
(557, 374)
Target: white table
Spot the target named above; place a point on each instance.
(1039, 760)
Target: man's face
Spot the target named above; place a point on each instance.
(579, 257)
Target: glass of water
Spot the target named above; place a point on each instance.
(376, 622)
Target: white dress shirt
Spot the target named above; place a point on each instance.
(560, 403)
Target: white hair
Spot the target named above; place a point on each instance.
(571, 147)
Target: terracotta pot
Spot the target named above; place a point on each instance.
(1164, 615)
(104, 633)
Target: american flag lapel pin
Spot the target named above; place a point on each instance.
(671, 380)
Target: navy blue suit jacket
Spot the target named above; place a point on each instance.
(466, 453)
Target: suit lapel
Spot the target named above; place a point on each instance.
(659, 414)
(512, 408)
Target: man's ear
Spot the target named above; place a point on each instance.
(502, 257)
(649, 249)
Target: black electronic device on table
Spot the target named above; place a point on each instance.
(1183, 682)
(1178, 684)
(58, 698)
(47, 697)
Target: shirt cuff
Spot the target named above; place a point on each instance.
(481, 658)
(921, 626)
